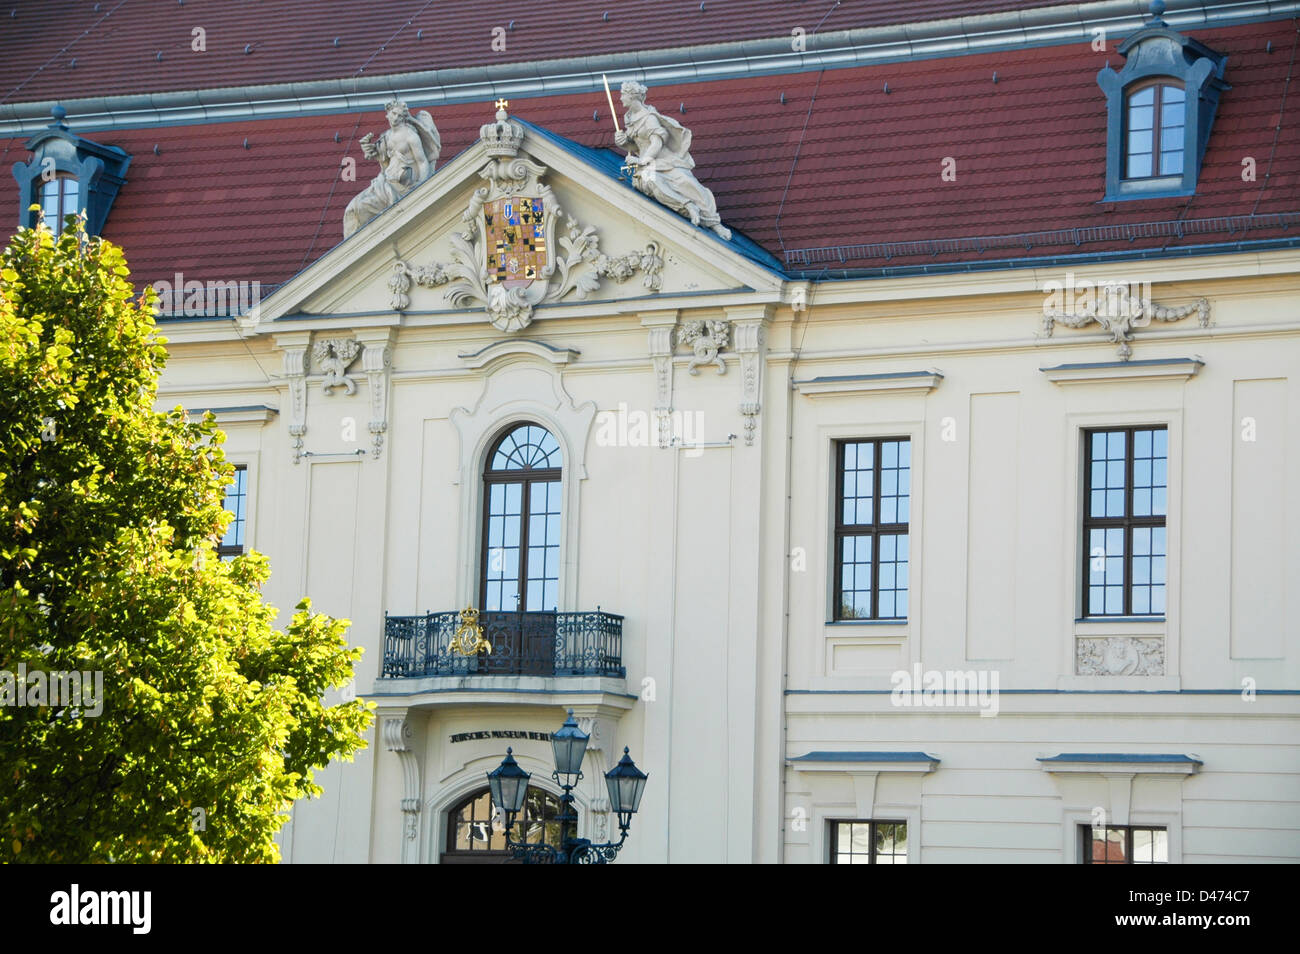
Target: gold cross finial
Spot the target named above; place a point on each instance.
(502, 103)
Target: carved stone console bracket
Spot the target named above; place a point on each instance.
(749, 328)
(331, 357)
(599, 722)
(705, 339)
(397, 734)
(376, 361)
(293, 349)
(661, 327)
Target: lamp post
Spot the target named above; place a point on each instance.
(509, 786)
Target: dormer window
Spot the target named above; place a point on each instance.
(59, 198)
(1155, 125)
(68, 174)
(1160, 108)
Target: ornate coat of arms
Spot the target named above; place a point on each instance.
(515, 254)
(515, 237)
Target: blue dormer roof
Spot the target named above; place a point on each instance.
(1158, 52)
(100, 171)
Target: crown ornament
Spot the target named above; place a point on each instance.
(503, 137)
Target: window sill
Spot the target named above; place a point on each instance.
(866, 622)
(1163, 187)
(1118, 619)
(1140, 626)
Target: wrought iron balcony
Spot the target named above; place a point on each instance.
(523, 644)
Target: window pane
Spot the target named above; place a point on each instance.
(892, 576)
(1142, 846)
(1116, 843)
(1172, 115)
(860, 838)
(856, 554)
(1139, 166)
(1160, 846)
(69, 196)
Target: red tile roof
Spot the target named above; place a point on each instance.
(1029, 152)
(116, 42)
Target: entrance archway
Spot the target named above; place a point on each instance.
(473, 837)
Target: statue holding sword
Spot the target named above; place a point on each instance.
(660, 160)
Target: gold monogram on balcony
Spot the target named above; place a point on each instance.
(469, 639)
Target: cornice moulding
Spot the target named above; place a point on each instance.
(1120, 764)
(246, 414)
(1030, 279)
(517, 347)
(842, 763)
(1105, 372)
(900, 382)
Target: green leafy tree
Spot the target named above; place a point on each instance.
(212, 720)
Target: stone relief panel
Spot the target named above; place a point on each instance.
(1118, 308)
(1119, 656)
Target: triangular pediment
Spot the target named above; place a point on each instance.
(604, 247)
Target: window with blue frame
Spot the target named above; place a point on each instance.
(1160, 108)
(66, 174)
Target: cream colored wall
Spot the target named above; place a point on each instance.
(995, 551)
(696, 551)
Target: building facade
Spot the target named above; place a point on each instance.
(932, 507)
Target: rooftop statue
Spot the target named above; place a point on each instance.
(660, 159)
(407, 154)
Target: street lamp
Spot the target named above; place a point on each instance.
(509, 786)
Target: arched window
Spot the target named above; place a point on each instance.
(58, 198)
(1154, 118)
(472, 836)
(521, 522)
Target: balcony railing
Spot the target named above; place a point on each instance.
(523, 644)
